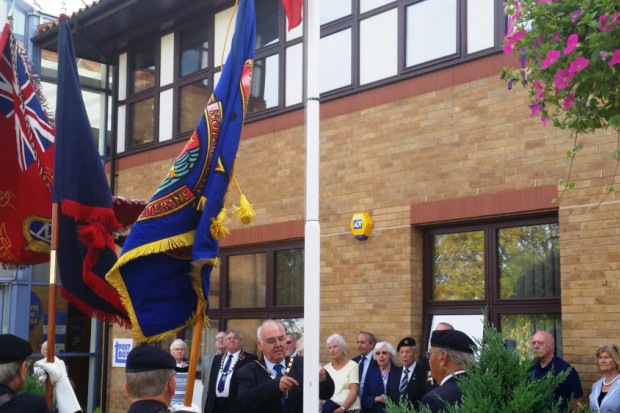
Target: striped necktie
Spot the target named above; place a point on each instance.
(404, 382)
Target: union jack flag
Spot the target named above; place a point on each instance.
(18, 98)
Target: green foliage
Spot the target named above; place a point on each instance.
(499, 382)
(32, 386)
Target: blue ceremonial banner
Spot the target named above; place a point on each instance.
(86, 250)
(163, 273)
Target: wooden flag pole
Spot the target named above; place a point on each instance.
(51, 307)
(193, 359)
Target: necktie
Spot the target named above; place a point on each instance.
(278, 368)
(362, 361)
(222, 383)
(404, 381)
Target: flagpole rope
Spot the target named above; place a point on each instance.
(227, 31)
(15, 52)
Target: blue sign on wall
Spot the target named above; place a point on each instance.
(36, 310)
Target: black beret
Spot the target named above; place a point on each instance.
(13, 348)
(407, 341)
(147, 358)
(452, 340)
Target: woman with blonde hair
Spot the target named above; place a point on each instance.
(605, 395)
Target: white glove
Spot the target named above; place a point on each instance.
(183, 408)
(65, 397)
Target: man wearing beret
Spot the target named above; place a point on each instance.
(14, 352)
(150, 376)
(450, 352)
(408, 381)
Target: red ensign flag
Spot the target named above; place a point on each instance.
(293, 12)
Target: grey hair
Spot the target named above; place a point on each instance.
(339, 340)
(178, 341)
(388, 347)
(461, 358)
(259, 330)
(8, 371)
(235, 332)
(148, 383)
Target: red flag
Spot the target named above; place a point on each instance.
(26, 162)
(293, 10)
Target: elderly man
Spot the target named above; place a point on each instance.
(275, 383)
(13, 369)
(548, 363)
(150, 381)
(450, 352)
(224, 368)
(366, 342)
(408, 381)
(291, 346)
(207, 362)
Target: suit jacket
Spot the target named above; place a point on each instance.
(150, 406)
(373, 363)
(415, 388)
(373, 387)
(244, 358)
(22, 403)
(205, 375)
(611, 401)
(450, 392)
(256, 392)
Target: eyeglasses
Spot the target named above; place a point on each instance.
(220, 338)
(289, 342)
(428, 353)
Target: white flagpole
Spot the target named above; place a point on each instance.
(312, 243)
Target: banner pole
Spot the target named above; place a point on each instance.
(51, 307)
(193, 359)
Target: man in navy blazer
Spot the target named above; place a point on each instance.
(408, 381)
(275, 383)
(450, 352)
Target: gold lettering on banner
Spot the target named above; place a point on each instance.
(5, 244)
(5, 199)
(167, 204)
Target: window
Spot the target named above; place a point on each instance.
(508, 267)
(142, 95)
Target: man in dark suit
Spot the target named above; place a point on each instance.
(224, 367)
(366, 342)
(275, 384)
(450, 352)
(408, 381)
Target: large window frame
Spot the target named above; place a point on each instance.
(495, 306)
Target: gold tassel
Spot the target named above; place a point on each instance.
(218, 230)
(245, 213)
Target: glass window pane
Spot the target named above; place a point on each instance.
(192, 101)
(529, 261)
(470, 324)
(480, 25)
(379, 46)
(246, 280)
(267, 22)
(289, 277)
(264, 90)
(518, 329)
(294, 74)
(214, 289)
(224, 29)
(143, 64)
(332, 10)
(366, 5)
(335, 60)
(194, 51)
(142, 121)
(248, 328)
(458, 267)
(431, 30)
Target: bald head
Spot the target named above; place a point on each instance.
(542, 346)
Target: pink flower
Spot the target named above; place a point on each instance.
(578, 64)
(543, 1)
(571, 42)
(544, 120)
(562, 78)
(602, 19)
(539, 90)
(616, 18)
(568, 102)
(604, 55)
(615, 58)
(552, 56)
(510, 44)
(535, 107)
(575, 14)
(555, 37)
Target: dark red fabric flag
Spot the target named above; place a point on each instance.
(293, 10)
(26, 159)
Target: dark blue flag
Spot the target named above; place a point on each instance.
(163, 273)
(86, 249)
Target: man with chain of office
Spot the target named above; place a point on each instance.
(274, 383)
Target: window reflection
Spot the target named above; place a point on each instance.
(289, 277)
(335, 61)
(294, 74)
(529, 261)
(248, 327)
(518, 329)
(142, 121)
(333, 10)
(267, 23)
(143, 64)
(214, 288)
(431, 30)
(458, 266)
(194, 51)
(192, 100)
(480, 25)
(378, 53)
(264, 90)
(246, 280)
(470, 324)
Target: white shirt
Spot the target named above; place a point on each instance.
(449, 376)
(235, 358)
